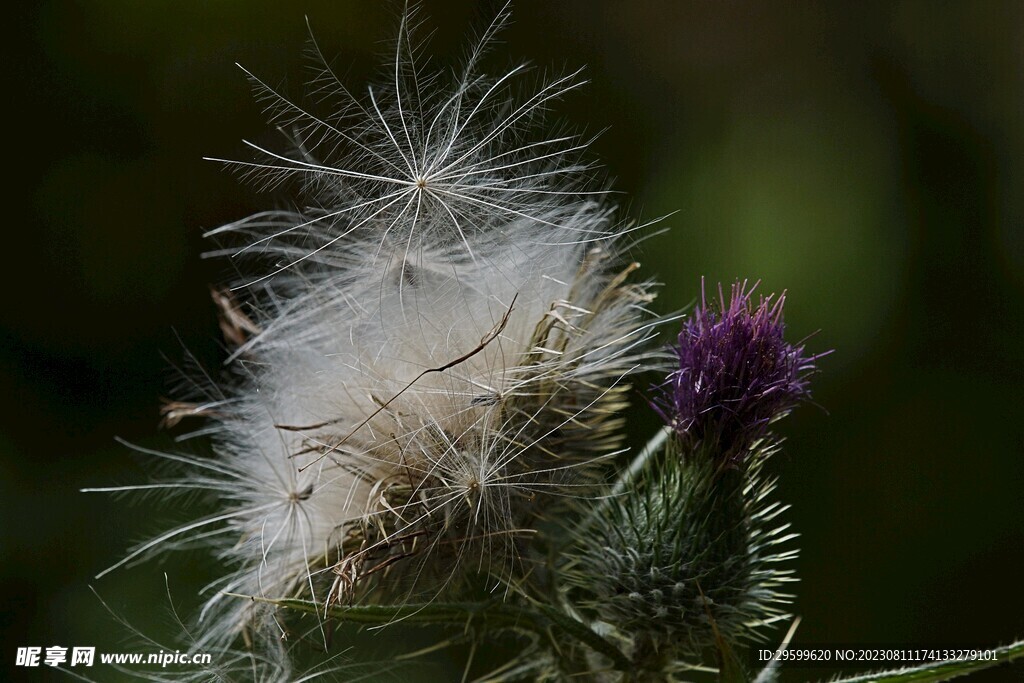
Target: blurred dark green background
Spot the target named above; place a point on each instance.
(868, 157)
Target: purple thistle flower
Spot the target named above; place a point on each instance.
(737, 374)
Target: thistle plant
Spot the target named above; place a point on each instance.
(422, 417)
(692, 552)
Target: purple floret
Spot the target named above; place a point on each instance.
(737, 374)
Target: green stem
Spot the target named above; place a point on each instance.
(939, 671)
(586, 635)
(540, 620)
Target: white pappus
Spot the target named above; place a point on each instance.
(431, 353)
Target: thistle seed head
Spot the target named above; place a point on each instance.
(433, 350)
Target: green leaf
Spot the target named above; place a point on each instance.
(936, 672)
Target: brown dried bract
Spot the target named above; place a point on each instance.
(236, 326)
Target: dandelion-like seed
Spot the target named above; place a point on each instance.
(432, 353)
(422, 159)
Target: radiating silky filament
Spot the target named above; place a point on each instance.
(432, 350)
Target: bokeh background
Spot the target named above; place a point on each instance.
(867, 157)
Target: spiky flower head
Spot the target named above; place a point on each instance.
(736, 375)
(691, 556)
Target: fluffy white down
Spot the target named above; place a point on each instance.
(337, 355)
(437, 346)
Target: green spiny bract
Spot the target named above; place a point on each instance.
(692, 551)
